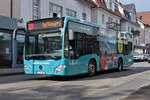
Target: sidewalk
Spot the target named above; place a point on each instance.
(11, 71)
(141, 94)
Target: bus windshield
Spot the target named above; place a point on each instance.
(43, 45)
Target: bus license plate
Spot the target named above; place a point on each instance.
(41, 73)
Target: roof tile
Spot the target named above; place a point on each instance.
(144, 17)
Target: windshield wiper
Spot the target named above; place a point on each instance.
(42, 57)
(57, 57)
(28, 57)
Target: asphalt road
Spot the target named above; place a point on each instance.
(108, 85)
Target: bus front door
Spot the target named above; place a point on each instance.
(76, 53)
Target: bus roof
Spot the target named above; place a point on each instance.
(38, 23)
(67, 18)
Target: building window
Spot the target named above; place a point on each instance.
(136, 42)
(109, 19)
(117, 22)
(101, 1)
(103, 19)
(110, 4)
(116, 7)
(71, 13)
(55, 10)
(128, 29)
(36, 9)
(84, 16)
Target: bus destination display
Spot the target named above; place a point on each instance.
(44, 25)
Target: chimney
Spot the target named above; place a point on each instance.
(141, 17)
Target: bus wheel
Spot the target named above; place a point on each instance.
(92, 68)
(120, 65)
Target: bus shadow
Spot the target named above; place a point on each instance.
(99, 75)
(115, 74)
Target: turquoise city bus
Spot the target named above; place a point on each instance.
(70, 46)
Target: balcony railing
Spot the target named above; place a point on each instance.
(136, 32)
(113, 26)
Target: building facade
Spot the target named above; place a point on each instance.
(107, 15)
(5, 8)
(144, 21)
(143, 18)
(142, 32)
(26, 10)
(129, 23)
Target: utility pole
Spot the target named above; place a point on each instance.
(11, 8)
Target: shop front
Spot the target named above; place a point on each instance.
(5, 48)
(11, 49)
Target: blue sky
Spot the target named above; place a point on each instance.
(141, 5)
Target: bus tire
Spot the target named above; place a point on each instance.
(92, 68)
(120, 65)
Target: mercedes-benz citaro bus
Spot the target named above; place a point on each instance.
(69, 46)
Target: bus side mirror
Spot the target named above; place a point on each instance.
(71, 35)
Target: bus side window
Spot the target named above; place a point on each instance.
(127, 48)
(88, 45)
(66, 45)
(71, 45)
(76, 46)
(72, 49)
(92, 45)
(79, 44)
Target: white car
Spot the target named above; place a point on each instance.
(148, 58)
(138, 57)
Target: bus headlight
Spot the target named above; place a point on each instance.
(60, 68)
(26, 67)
